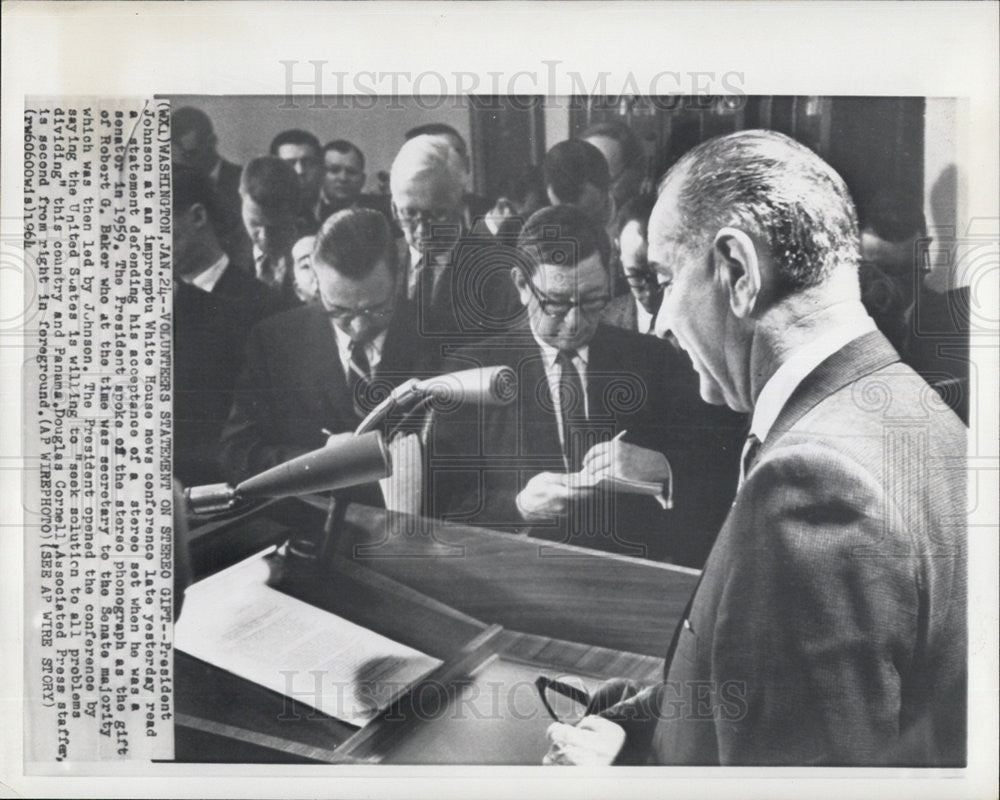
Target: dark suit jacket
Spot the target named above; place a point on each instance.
(293, 386)
(254, 298)
(622, 313)
(829, 626)
(210, 334)
(232, 235)
(481, 457)
(474, 296)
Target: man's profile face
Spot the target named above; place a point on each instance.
(586, 284)
(694, 306)
(194, 150)
(428, 207)
(343, 176)
(642, 280)
(308, 167)
(305, 278)
(362, 308)
(271, 232)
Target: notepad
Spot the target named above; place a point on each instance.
(585, 479)
(237, 622)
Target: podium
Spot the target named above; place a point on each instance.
(498, 609)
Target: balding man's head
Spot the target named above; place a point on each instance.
(427, 182)
(751, 233)
(777, 191)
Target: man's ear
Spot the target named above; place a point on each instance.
(199, 215)
(739, 268)
(520, 283)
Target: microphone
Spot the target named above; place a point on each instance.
(360, 459)
(490, 385)
(493, 385)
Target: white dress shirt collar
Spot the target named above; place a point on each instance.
(799, 364)
(207, 278)
(373, 350)
(643, 318)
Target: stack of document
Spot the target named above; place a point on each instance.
(237, 622)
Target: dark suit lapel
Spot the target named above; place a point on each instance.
(538, 429)
(325, 364)
(858, 358)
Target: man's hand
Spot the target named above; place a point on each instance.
(617, 459)
(595, 741)
(545, 496)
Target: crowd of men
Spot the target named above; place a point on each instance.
(700, 379)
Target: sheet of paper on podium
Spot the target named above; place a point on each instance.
(235, 621)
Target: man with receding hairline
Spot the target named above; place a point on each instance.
(829, 623)
(321, 366)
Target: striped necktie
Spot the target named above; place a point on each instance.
(359, 378)
(572, 408)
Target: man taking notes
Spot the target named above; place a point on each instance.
(829, 625)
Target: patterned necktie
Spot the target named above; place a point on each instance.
(751, 448)
(414, 278)
(572, 408)
(359, 379)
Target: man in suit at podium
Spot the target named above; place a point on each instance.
(589, 396)
(829, 624)
(318, 369)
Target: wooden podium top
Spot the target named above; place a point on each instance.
(435, 587)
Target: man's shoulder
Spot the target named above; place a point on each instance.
(291, 324)
(619, 313)
(508, 348)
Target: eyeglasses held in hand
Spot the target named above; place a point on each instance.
(565, 703)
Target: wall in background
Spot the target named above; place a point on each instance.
(245, 124)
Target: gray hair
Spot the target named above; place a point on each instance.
(428, 154)
(776, 189)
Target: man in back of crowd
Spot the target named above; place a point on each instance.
(318, 369)
(622, 150)
(635, 311)
(193, 144)
(473, 205)
(305, 279)
(300, 150)
(344, 181)
(521, 194)
(460, 285)
(929, 330)
(577, 174)
(269, 190)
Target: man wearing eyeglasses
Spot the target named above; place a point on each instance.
(318, 369)
(458, 283)
(596, 406)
